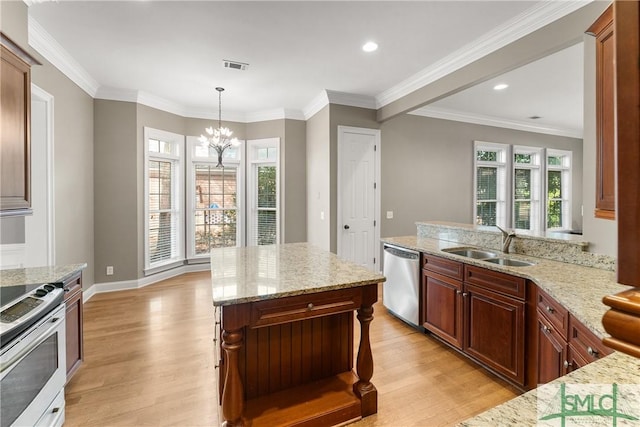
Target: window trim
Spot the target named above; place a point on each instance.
(567, 184)
(177, 172)
(252, 163)
(192, 141)
(503, 208)
(538, 207)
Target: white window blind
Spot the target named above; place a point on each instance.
(263, 190)
(526, 188)
(164, 242)
(490, 183)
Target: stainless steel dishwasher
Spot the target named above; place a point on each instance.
(401, 290)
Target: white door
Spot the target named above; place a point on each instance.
(358, 196)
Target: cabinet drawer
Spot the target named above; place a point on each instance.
(283, 310)
(585, 343)
(495, 281)
(443, 266)
(72, 286)
(555, 313)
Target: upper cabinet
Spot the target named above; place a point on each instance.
(602, 29)
(15, 129)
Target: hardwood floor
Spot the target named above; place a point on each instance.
(149, 362)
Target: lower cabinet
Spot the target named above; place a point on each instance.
(73, 319)
(478, 311)
(504, 322)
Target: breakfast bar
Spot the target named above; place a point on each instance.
(285, 322)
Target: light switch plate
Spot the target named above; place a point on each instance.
(389, 214)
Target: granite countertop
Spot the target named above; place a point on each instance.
(579, 289)
(597, 377)
(39, 275)
(257, 273)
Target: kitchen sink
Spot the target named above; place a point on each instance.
(509, 262)
(471, 253)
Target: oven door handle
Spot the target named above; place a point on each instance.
(5, 365)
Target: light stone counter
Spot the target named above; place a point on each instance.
(39, 275)
(257, 273)
(579, 289)
(523, 410)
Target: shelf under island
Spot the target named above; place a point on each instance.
(284, 318)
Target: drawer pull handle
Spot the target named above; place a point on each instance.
(464, 294)
(458, 292)
(310, 306)
(549, 309)
(567, 364)
(546, 328)
(592, 352)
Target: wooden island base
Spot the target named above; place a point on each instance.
(325, 402)
(289, 361)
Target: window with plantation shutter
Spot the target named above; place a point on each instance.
(490, 183)
(215, 215)
(263, 192)
(164, 241)
(526, 188)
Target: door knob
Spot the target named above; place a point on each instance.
(346, 227)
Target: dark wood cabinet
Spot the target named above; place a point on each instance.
(15, 122)
(74, 323)
(478, 311)
(443, 307)
(552, 352)
(495, 328)
(602, 29)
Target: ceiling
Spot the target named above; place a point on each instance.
(171, 52)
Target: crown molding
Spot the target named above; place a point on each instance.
(479, 119)
(318, 103)
(274, 114)
(52, 51)
(525, 23)
(350, 99)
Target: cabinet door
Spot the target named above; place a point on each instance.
(574, 360)
(442, 305)
(15, 187)
(552, 352)
(495, 329)
(605, 115)
(73, 320)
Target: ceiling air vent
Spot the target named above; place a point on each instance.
(535, 117)
(234, 65)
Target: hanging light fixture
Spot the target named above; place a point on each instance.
(219, 138)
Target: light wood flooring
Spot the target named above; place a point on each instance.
(149, 362)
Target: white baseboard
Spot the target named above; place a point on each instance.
(99, 288)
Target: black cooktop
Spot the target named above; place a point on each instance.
(10, 293)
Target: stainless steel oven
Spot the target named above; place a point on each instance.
(33, 360)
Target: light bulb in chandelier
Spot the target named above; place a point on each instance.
(220, 138)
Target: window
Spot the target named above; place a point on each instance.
(215, 199)
(490, 183)
(263, 216)
(163, 183)
(526, 188)
(558, 189)
(510, 182)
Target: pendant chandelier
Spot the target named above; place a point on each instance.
(219, 138)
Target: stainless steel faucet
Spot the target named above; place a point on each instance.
(507, 236)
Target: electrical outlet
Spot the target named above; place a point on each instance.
(322, 216)
(389, 214)
(110, 270)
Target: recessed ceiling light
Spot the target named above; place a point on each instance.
(500, 86)
(370, 46)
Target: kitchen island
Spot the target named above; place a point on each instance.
(286, 330)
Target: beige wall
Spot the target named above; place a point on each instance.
(427, 169)
(600, 233)
(73, 150)
(116, 198)
(318, 179)
(295, 181)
